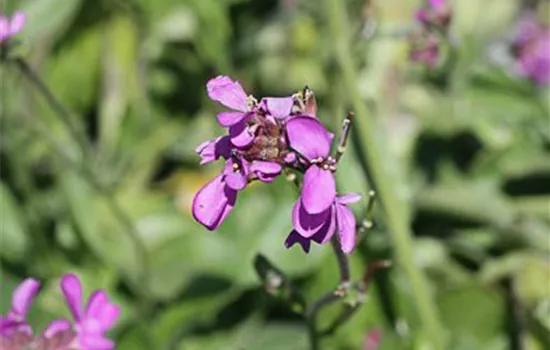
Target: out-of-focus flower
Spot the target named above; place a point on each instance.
(437, 14)
(425, 50)
(531, 49)
(22, 298)
(373, 340)
(87, 333)
(92, 321)
(10, 27)
(321, 227)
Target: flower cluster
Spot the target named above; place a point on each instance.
(10, 27)
(531, 49)
(262, 139)
(434, 21)
(87, 332)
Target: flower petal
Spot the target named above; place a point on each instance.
(308, 224)
(294, 237)
(4, 27)
(319, 190)
(346, 227)
(23, 297)
(348, 198)
(309, 137)
(211, 150)
(227, 92)
(95, 342)
(17, 23)
(230, 118)
(213, 203)
(271, 168)
(436, 3)
(100, 309)
(241, 135)
(55, 327)
(72, 289)
(279, 107)
(236, 180)
(327, 231)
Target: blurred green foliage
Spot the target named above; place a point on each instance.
(467, 146)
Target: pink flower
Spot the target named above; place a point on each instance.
(437, 14)
(9, 28)
(92, 321)
(532, 50)
(22, 298)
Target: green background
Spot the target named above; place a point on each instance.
(465, 146)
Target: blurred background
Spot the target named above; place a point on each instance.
(465, 144)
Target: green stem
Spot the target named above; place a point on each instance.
(395, 209)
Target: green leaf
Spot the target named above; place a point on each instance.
(14, 238)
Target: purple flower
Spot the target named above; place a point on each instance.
(92, 321)
(22, 298)
(321, 227)
(437, 14)
(9, 28)
(532, 50)
(425, 49)
(217, 198)
(311, 140)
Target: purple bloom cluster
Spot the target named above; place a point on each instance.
(86, 332)
(531, 49)
(10, 27)
(262, 139)
(434, 22)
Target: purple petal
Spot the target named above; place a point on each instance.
(17, 23)
(421, 15)
(4, 27)
(319, 190)
(348, 198)
(213, 203)
(327, 231)
(23, 296)
(236, 174)
(230, 118)
(211, 150)
(346, 227)
(95, 342)
(55, 327)
(436, 3)
(308, 224)
(294, 237)
(309, 137)
(72, 289)
(264, 167)
(100, 309)
(241, 135)
(266, 171)
(227, 92)
(279, 107)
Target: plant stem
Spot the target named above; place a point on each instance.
(55, 104)
(395, 209)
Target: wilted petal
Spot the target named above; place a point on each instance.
(241, 135)
(227, 92)
(348, 198)
(23, 296)
(70, 285)
(213, 203)
(309, 137)
(294, 237)
(346, 227)
(55, 327)
(17, 23)
(319, 190)
(211, 150)
(308, 224)
(100, 309)
(279, 107)
(230, 118)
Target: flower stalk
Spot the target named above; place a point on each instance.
(395, 209)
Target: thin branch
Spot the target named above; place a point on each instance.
(344, 136)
